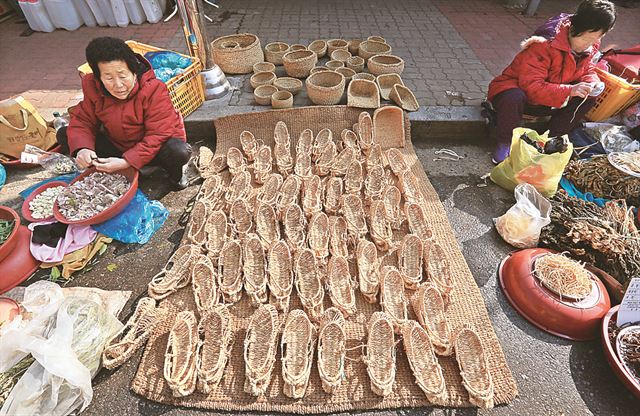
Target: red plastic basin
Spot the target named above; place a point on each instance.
(26, 212)
(7, 213)
(610, 352)
(16, 268)
(132, 176)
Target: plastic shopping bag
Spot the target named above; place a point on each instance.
(525, 164)
(521, 225)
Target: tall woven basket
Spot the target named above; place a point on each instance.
(240, 59)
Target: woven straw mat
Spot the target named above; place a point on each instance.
(467, 306)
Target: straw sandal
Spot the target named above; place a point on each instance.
(392, 297)
(203, 281)
(302, 167)
(260, 345)
(181, 355)
(318, 235)
(353, 213)
(323, 138)
(332, 341)
(305, 142)
(230, 271)
(325, 159)
(396, 162)
(423, 362)
(308, 284)
(333, 194)
(410, 260)
(235, 161)
(374, 183)
(241, 220)
(196, 230)
(139, 327)
(365, 130)
(212, 190)
(343, 161)
(175, 274)
(267, 225)
(418, 221)
(380, 357)
(297, 347)
(375, 157)
(205, 156)
(354, 178)
(391, 197)
(350, 139)
(215, 339)
(263, 164)
(239, 188)
(429, 308)
(312, 196)
(249, 145)
(284, 160)
(381, 232)
(268, 192)
(410, 188)
(280, 275)
(289, 193)
(294, 227)
(254, 269)
(439, 270)
(217, 165)
(340, 285)
(368, 270)
(474, 368)
(338, 237)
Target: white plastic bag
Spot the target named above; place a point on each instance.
(520, 226)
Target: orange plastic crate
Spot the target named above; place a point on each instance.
(618, 94)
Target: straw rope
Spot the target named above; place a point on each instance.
(429, 308)
(332, 341)
(297, 348)
(280, 275)
(380, 357)
(476, 377)
(260, 346)
(215, 339)
(180, 356)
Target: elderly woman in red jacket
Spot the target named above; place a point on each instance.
(553, 74)
(126, 117)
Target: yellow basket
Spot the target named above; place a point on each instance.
(618, 94)
(186, 90)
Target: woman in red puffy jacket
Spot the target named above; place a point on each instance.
(126, 117)
(553, 74)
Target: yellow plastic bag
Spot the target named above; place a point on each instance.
(526, 165)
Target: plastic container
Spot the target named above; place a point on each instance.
(63, 14)
(135, 11)
(618, 94)
(152, 10)
(26, 212)
(20, 265)
(36, 15)
(612, 356)
(97, 12)
(7, 213)
(120, 12)
(85, 12)
(107, 12)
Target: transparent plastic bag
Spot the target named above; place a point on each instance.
(53, 162)
(520, 226)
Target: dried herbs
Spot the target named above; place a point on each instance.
(6, 228)
(92, 195)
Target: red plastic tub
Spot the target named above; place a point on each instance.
(130, 173)
(26, 212)
(612, 357)
(20, 265)
(7, 213)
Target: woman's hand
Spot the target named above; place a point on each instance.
(85, 158)
(581, 89)
(110, 164)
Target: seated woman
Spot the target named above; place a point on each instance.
(126, 117)
(553, 74)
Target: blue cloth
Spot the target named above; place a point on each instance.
(571, 190)
(3, 176)
(581, 139)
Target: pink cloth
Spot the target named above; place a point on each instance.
(77, 237)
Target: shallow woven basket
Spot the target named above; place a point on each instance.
(340, 286)
(239, 188)
(338, 237)
(418, 221)
(297, 47)
(439, 270)
(289, 193)
(403, 96)
(282, 99)
(293, 85)
(332, 341)
(180, 357)
(355, 63)
(262, 78)
(333, 195)
(238, 60)
(474, 369)
(347, 72)
(396, 161)
(254, 269)
(273, 52)
(195, 232)
(297, 348)
(264, 67)
(410, 189)
(334, 64)
(304, 144)
(312, 196)
(294, 227)
(392, 296)
(263, 164)
(363, 94)
(203, 282)
(260, 346)
(381, 232)
(241, 220)
(392, 197)
(308, 284)
(365, 131)
(267, 225)
(319, 69)
(318, 235)
(375, 183)
(343, 161)
(336, 44)
(214, 347)
(175, 274)
(410, 260)
(263, 94)
(370, 48)
(385, 64)
(280, 275)
(319, 47)
(386, 82)
(353, 45)
(303, 166)
(380, 357)
(139, 327)
(368, 270)
(249, 145)
(230, 271)
(423, 362)
(354, 178)
(298, 64)
(364, 75)
(340, 55)
(429, 308)
(325, 158)
(388, 122)
(268, 192)
(354, 215)
(325, 88)
(236, 161)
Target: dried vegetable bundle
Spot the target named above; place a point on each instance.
(215, 339)
(410, 260)
(365, 132)
(176, 273)
(180, 357)
(368, 270)
(136, 331)
(325, 158)
(341, 286)
(260, 345)
(429, 308)
(268, 192)
(239, 188)
(332, 341)
(424, 365)
(289, 193)
(474, 369)
(267, 225)
(318, 235)
(354, 178)
(249, 145)
(392, 297)
(297, 347)
(305, 143)
(92, 195)
(380, 357)
(338, 237)
(230, 271)
(235, 161)
(439, 270)
(391, 197)
(410, 188)
(263, 164)
(343, 161)
(280, 275)
(196, 230)
(381, 232)
(241, 219)
(302, 167)
(308, 284)
(396, 162)
(354, 215)
(333, 195)
(294, 227)
(418, 221)
(204, 283)
(254, 269)
(563, 276)
(312, 196)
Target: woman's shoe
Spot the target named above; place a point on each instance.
(500, 153)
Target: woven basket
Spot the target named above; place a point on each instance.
(381, 232)
(392, 297)
(297, 47)
(268, 192)
(336, 44)
(354, 45)
(239, 60)
(343, 161)
(267, 225)
(180, 357)
(217, 232)
(293, 85)
(273, 52)
(295, 227)
(318, 235)
(249, 145)
(439, 270)
(254, 269)
(385, 64)
(264, 67)
(392, 197)
(429, 308)
(354, 215)
(262, 78)
(308, 284)
(319, 69)
(333, 195)
(282, 99)
(175, 274)
(368, 270)
(319, 47)
(364, 75)
(260, 346)
(297, 348)
(365, 131)
(403, 96)
(371, 48)
(347, 72)
(289, 193)
(332, 341)
(230, 271)
(363, 94)
(280, 275)
(235, 161)
(325, 88)
(380, 357)
(354, 178)
(386, 83)
(334, 64)
(203, 282)
(312, 196)
(340, 287)
(340, 55)
(388, 122)
(355, 63)
(214, 347)
(377, 39)
(474, 368)
(263, 94)
(298, 64)
(410, 261)
(338, 237)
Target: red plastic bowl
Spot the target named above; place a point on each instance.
(7, 213)
(26, 211)
(610, 352)
(17, 268)
(130, 173)
(576, 320)
(16, 164)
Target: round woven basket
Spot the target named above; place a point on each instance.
(377, 39)
(240, 59)
(319, 47)
(320, 69)
(262, 78)
(293, 85)
(354, 45)
(371, 48)
(325, 88)
(385, 64)
(298, 64)
(364, 75)
(340, 55)
(282, 99)
(263, 94)
(356, 63)
(274, 52)
(333, 65)
(263, 67)
(335, 44)
(347, 72)
(297, 47)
